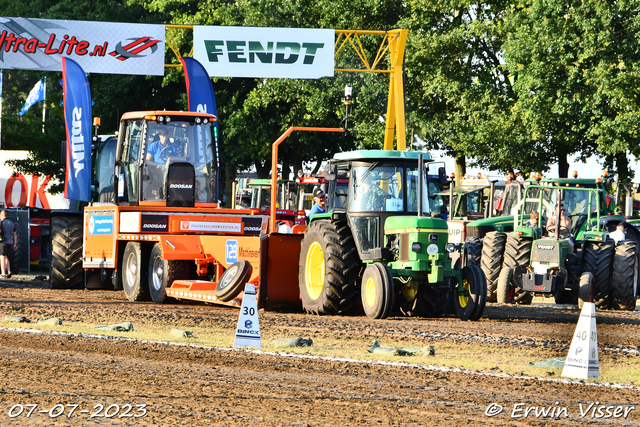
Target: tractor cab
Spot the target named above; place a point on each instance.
(381, 184)
(166, 159)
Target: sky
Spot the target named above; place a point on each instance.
(591, 169)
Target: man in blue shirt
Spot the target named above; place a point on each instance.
(160, 149)
(320, 205)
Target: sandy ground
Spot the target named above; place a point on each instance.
(53, 380)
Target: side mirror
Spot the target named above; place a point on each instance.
(442, 176)
(331, 172)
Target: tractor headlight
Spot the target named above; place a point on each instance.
(450, 247)
(432, 249)
(198, 120)
(205, 121)
(416, 247)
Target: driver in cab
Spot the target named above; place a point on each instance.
(160, 149)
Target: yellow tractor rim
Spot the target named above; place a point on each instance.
(314, 271)
(370, 293)
(462, 298)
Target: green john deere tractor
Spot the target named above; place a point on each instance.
(379, 243)
(583, 266)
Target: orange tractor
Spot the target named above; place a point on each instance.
(157, 231)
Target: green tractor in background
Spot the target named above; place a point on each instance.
(586, 266)
(378, 242)
(490, 236)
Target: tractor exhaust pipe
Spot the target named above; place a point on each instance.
(420, 186)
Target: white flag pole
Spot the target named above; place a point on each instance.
(44, 102)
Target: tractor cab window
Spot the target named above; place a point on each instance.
(104, 166)
(128, 160)
(377, 188)
(430, 186)
(179, 142)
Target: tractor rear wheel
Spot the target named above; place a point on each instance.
(162, 274)
(585, 290)
(471, 297)
(134, 270)
(65, 268)
(328, 269)
(491, 260)
(233, 280)
(377, 291)
(597, 260)
(473, 251)
(624, 278)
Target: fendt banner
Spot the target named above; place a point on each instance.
(98, 47)
(291, 53)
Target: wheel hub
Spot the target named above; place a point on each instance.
(314, 271)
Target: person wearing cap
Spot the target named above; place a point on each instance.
(619, 234)
(320, 202)
(160, 149)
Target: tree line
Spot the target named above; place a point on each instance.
(513, 85)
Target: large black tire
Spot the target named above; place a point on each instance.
(65, 268)
(134, 272)
(517, 251)
(504, 292)
(162, 273)
(585, 291)
(597, 260)
(472, 251)
(470, 299)
(624, 277)
(377, 291)
(491, 260)
(233, 280)
(328, 268)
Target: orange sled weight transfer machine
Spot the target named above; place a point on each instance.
(158, 233)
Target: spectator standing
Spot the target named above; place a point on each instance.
(9, 244)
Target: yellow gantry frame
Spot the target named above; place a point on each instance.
(393, 43)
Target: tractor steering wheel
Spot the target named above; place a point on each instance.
(164, 155)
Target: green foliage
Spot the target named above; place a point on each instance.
(516, 85)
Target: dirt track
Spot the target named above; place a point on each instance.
(203, 386)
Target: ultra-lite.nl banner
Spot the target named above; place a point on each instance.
(99, 47)
(77, 118)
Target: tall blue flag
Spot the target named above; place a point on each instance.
(200, 95)
(77, 118)
(36, 95)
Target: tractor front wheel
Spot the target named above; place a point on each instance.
(470, 296)
(624, 278)
(504, 294)
(328, 269)
(597, 260)
(491, 260)
(377, 291)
